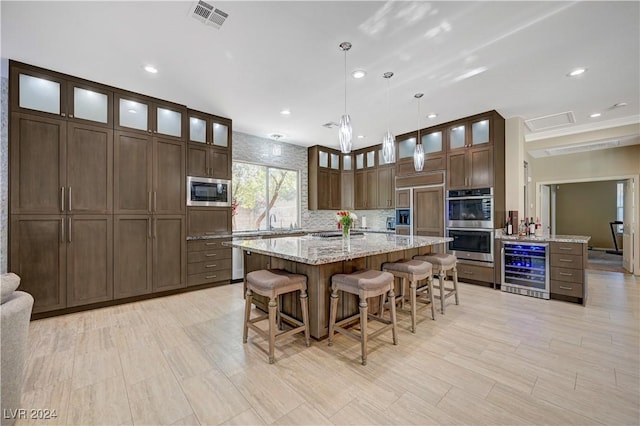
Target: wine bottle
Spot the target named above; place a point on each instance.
(526, 226)
(532, 227)
(509, 227)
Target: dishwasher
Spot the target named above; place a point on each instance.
(237, 264)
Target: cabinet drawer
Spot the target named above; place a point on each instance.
(568, 289)
(205, 256)
(201, 245)
(566, 261)
(475, 272)
(209, 266)
(566, 248)
(567, 275)
(209, 277)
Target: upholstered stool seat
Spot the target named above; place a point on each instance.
(413, 271)
(272, 283)
(364, 284)
(443, 262)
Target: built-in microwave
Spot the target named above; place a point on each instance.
(208, 192)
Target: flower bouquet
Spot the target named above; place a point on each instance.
(345, 221)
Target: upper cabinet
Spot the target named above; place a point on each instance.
(140, 113)
(325, 191)
(209, 153)
(475, 156)
(54, 95)
(434, 147)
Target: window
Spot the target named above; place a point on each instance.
(620, 205)
(265, 197)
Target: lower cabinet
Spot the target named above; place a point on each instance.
(208, 261)
(169, 252)
(202, 221)
(467, 271)
(567, 264)
(63, 261)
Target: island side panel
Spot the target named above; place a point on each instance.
(255, 262)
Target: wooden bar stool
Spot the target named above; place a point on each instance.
(272, 283)
(442, 263)
(413, 271)
(365, 284)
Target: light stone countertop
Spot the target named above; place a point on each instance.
(581, 239)
(275, 232)
(318, 251)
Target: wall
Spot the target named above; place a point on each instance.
(4, 173)
(586, 209)
(255, 149)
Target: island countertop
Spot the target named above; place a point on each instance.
(581, 239)
(318, 251)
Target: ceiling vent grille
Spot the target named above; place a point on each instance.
(550, 121)
(208, 14)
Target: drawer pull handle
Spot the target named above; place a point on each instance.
(209, 233)
(211, 276)
(210, 254)
(566, 274)
(566, 288)
(565, 248)
(210, 244)
(210, 266)
(566, 260)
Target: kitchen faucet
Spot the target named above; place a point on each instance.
(272, 219)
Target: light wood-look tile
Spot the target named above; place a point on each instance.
(497, 358)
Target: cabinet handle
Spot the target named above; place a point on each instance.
(69, 198)
(69, 229)
(211, 276)
(62, 230)
(209, 233)
(566, 274)
(62, 198)
(210, 266)
(155, 228)
(70, 115)
(564, 248)
(63, 114)
(210, 244)
(155, 201)
(566, 288)
(210, 254)
(149, 228)
(149, 202)
(566, 260)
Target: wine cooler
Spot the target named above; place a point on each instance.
(525, 268)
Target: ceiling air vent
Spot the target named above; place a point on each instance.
(208, 14)
(550, 121)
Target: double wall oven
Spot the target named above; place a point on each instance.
(469, 221)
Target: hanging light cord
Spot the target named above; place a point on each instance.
(418, 141)
(388, 105)
(345, 81)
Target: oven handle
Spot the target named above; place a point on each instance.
(477, 197)
(487, 230)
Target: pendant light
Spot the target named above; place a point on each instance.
(389, 141)
(418, 152)
(345, 131)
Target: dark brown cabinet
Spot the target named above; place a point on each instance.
(209, 261)
(169, 177)
(434, 147)
(133, 271)
(386, 187)
(403, 198)
(568, 279)
(137, 113)
(347, 187)
(209, 147)
(208, 221)
(472, 168)
(169, 238)
(428, 207)
(325, 191)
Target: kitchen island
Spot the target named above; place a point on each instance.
(321, 258)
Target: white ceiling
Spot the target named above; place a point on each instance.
(273, 55)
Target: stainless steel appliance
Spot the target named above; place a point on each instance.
(471, 244)
(470, 208)
(208, 192)
(391, 223)
(525, 269)
(403, 221)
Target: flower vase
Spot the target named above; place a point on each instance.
(346, 232)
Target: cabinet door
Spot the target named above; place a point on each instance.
(197, 128)
(480, 132)
(132, 173)
(456, 170)
(89, 169)
(324, 189)
(38, 254)
(219, 164)
(132, 113)
(169, 252)
(334, 190)
(132, 271)
(457, 137)
(428, 211)
(221, 134)
(90, 104)
(89, 259)
(371, 201)
(198, 160)
(481, 167)
(347, 191)
(361, 190)
(403, 198)
(37, 164)
(169, 177)
(169, 120)
(208, 221)
(36, 92)
(385, 187)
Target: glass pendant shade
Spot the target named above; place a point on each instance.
(389, 148)
(344, 134)
(418, 157)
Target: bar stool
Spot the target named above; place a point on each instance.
(272, 283)
(413, 271)
(442, 263)
(365, 284)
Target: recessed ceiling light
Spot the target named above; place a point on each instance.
(151, 69)
(277, 136)
(360, 136)
(285, 111)
(432, 115)
(577, 72)
(358, 73)
(595, 115)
